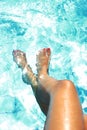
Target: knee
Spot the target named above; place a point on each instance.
(68, 84)
(64, 86)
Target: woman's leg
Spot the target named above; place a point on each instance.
(30, 78)
(85, 120)
(65, 112)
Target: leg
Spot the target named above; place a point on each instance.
(27, 74)
(30, 78)
(85, 120)
(65, 112)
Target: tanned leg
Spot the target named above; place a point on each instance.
(85, 120)
(30, 78)
(65, 112)
(27, 74)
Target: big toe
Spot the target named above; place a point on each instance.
(44, 52)
(48, 51)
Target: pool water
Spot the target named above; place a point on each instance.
(29, 26)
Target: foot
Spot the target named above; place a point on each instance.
(20, 58)
(27, 74)
(45, 82)
(43, 59)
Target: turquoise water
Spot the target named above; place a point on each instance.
(30, 25)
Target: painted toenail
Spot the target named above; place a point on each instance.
(48, 49)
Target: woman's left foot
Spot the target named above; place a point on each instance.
(20, 58)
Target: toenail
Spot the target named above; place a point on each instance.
(48, 49)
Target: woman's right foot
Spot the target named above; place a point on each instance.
(43, 59)
(44, 80)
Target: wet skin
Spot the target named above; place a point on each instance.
(48, 90)
(42, 96)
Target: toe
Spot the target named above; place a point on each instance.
(48, 52)
(41, 54)
(45, 52)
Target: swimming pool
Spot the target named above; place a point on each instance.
(29, 26)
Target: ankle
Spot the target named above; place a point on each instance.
(42, 71)
(24, 67)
